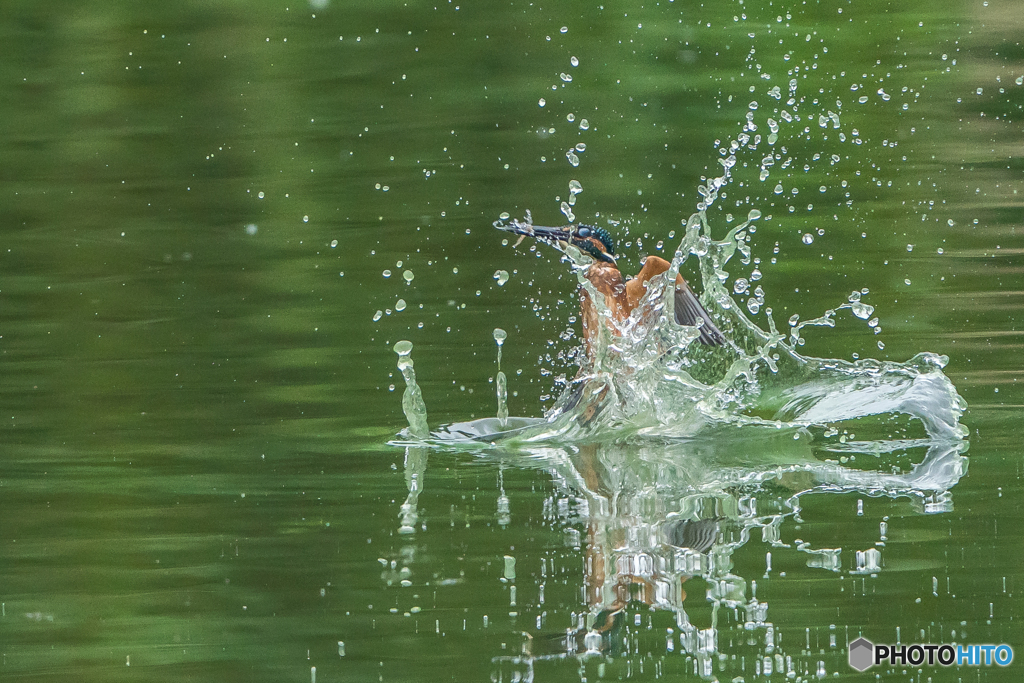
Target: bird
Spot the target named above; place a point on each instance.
(621, 295)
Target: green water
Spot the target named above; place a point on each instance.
(195, 481)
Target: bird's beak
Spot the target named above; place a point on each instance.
(556, 236)
(538, 231)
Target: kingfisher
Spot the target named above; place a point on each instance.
(621, 295)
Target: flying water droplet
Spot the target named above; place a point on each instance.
(408, 275)
(502, 277)
(574, 61)
(808, 238)
(400, 305)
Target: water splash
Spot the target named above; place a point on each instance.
(412, 400)
(501, 381)
(648, 378)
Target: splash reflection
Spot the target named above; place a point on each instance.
(662, 525)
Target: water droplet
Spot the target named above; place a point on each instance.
(741, 285)
(575, 187)
(861, 310)
(567, 210)
(386, 273)
(574, 61)
(573, 159)
(910, 247)
(542, 102)
(570, 117)
(251, 229)
(808, 238)
(564, 29)
(260, 195)
(408, 275)
(565, 77)
(403, 348)
(584, 124)
(503, 215)
(752, 216)
(581, 147)
(378, 315)
(500, 335)
(400, 305)
(501, 276)
(305, 219)
(334, 243)
(1020, 80)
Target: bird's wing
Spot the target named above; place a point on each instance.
(689, 311)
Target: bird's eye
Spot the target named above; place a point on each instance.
(583, 231)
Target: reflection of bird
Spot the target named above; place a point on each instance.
(620, 296)
(699, 535)
(608, 627)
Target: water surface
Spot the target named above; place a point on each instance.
(204, 208)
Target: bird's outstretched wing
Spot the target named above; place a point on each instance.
(689, 311)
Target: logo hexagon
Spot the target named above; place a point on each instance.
(862, 653)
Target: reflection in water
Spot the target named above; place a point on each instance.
(660, 515)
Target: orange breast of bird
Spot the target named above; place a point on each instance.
(608, 282)
(620, 297)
